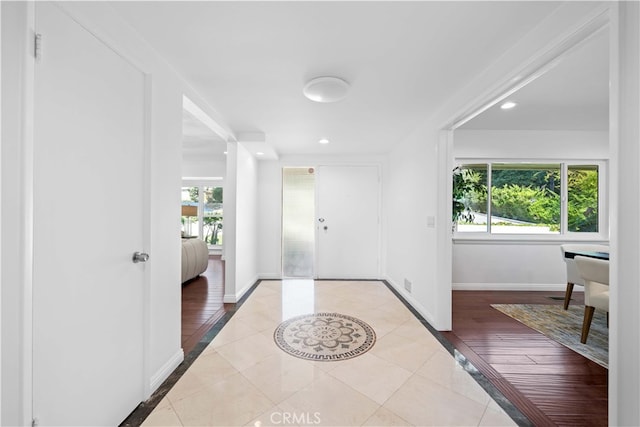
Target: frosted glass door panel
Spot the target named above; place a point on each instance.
(298, 222)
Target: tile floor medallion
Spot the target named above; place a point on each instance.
(324, 337)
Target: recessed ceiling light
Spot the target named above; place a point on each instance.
(326, 89)
(508, 105)
(323, 141)
(259, 153)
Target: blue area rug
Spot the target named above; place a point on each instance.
(564, 327)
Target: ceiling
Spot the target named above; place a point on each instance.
(573, 95)
(198, 140)
(250, 61)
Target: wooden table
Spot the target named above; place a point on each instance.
(589, 254)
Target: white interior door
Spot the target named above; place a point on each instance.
(348, 225)
(88, 222)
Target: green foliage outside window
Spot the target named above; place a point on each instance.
(530, 194)
(527, 194)
(527, 204)
(212, 218)
(467, 186)
(582, 203)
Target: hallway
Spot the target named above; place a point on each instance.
(407, 377)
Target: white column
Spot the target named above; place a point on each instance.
(230, 203)
(624, 376)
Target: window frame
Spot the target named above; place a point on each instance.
(201, 183)
(564, 235)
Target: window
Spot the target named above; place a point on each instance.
(212, 215)
(190, 211)
(582, 198)
(202, 213)
(527, 198)
(470, 197)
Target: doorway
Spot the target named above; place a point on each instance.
(582, 58)
(331, 222)
(202, 217)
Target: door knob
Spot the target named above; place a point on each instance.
(140, 257)
(320, 219)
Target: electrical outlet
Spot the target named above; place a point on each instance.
(407, 285)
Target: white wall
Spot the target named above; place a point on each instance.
(241, 227)
(412, 251)
(527, 265)
(165, 294)
(624, 374)
(229, 248)
(204, 167)
(531, 144)
(164, 175)
(509, 266)
(269, 221)
(246, 221)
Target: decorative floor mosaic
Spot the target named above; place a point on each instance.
(324, 337)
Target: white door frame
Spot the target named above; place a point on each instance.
(27, 192)
(0, 215)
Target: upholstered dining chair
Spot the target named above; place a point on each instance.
(595, 273)
(573, 277)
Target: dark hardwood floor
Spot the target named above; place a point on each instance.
(202, 304)
(549, 383)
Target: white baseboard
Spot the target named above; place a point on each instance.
(549, 287)
(232, 299)
(278, 276)
(163, 373)
(246, 287)
(413, 302)
(270, 276)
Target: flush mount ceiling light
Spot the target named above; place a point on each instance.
(326, 89)
(323, 141)
(508, 105)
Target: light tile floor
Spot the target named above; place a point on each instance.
(408, 378)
